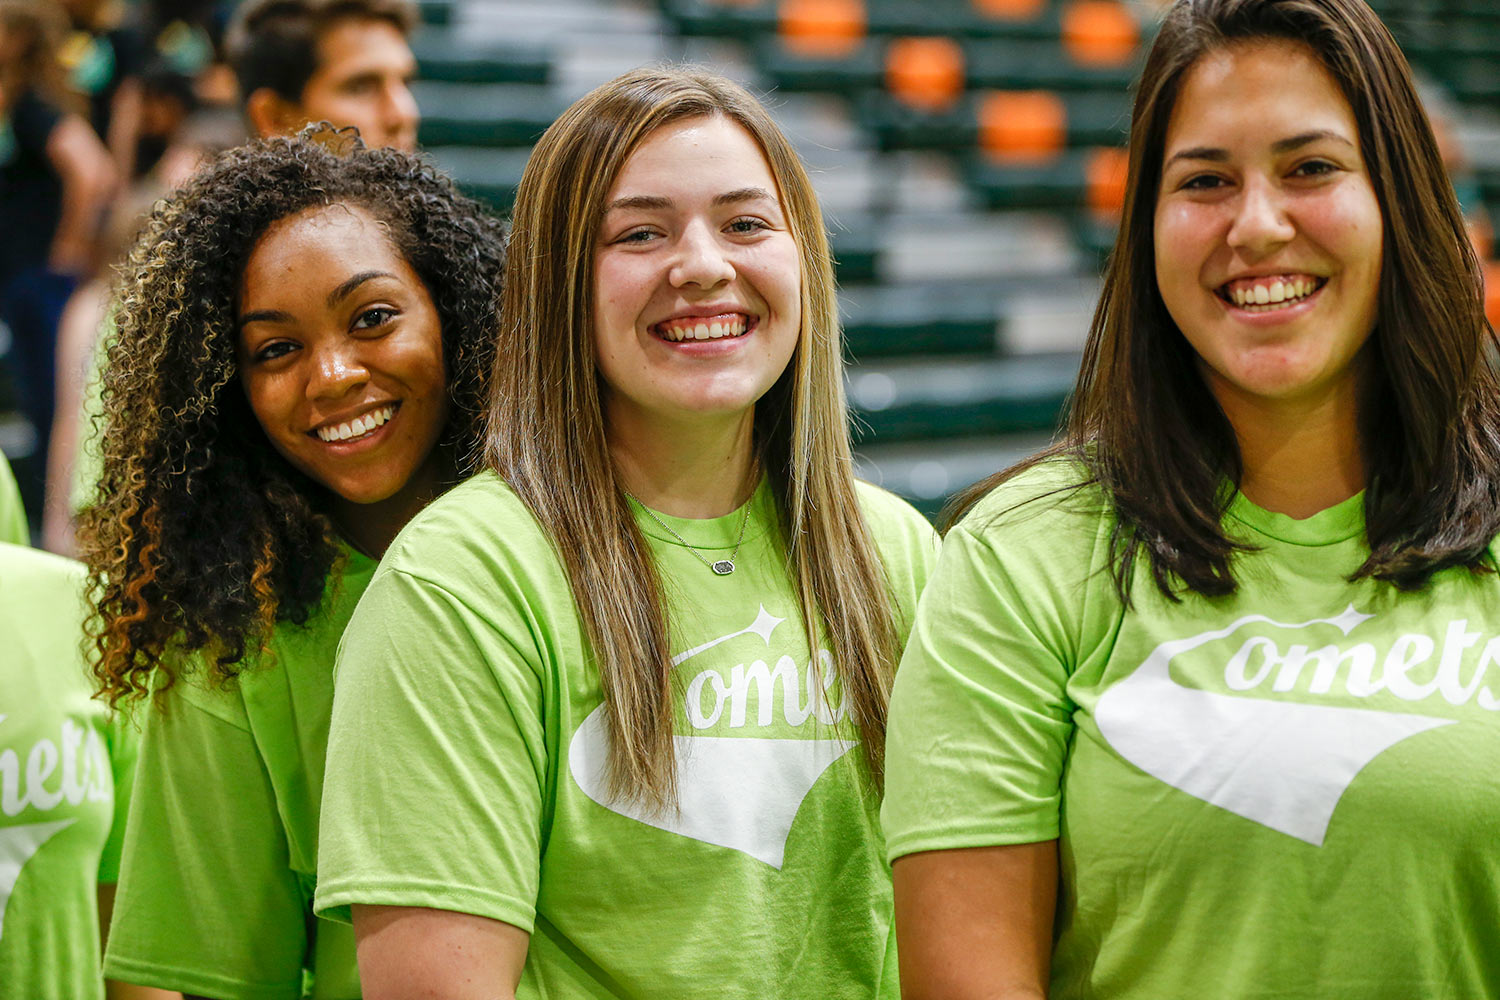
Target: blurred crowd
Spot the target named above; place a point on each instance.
(106, 106)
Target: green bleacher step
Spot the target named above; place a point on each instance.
(446, 56)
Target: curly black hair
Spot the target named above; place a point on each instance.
(201, 536)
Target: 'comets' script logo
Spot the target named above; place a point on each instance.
(52, 774)
(739, 792)
(1280, 763)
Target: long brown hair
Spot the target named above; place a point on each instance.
(547, 438)
(1144, 423)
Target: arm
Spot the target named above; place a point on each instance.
(88, 179)
(976, 924)
(125, 112)
(413, 952)
(77, 331)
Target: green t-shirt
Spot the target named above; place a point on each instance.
(484, 791)
(1290, 792)
(64, 779)
(13, 527)
(215, 895)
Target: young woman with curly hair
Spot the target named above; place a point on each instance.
(1205, 702)
(631, 680)
(304, 332)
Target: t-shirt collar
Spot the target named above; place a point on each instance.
(1342, 521)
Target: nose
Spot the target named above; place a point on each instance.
(1261, 224)
(700, 259)
(337, 370)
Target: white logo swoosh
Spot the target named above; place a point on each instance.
(17, 845)
(1282, 764)
(737, 792)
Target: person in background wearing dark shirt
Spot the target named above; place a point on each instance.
(55, 179)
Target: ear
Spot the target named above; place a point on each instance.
(271, 114)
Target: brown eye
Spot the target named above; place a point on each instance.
(373, 318)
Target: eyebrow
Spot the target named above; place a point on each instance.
(349, 286)
(1218, 155)
(343, 290)
(652, 201)
(265, 316)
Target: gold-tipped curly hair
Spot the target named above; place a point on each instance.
(201, 537)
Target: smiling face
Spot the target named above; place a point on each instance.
(364, 68)
(341, 355)
(1267, 229)
(697, 302)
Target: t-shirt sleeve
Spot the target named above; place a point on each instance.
(980, 716)
(13, 526)
(437, 758)
(207, 903)
(124, 750)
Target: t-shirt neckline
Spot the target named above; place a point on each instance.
(710, 533)
(1329, 526)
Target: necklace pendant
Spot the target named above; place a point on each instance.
(723, 567)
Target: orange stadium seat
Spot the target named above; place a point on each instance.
(1099, 32)
(925, 73)
(1022, 126)
(1104, 173)
(822, 28)
(1010, 10)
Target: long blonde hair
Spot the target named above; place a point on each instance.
(546, 433)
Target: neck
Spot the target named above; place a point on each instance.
(696, 468)
(371, 527)
(1298, 457)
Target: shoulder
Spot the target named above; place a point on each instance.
(31, 577)
(475, 536)
(1058, 494)
(890, 516)
(479, 516)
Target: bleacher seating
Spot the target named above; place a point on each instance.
(969, 155)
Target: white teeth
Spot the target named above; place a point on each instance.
(705, 331)
(357, 427)
(1278, 292)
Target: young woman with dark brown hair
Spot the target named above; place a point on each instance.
(1205, 701)
(630, 683)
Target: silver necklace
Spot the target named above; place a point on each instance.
(723, 567)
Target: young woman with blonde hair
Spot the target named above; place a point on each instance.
(630, 683)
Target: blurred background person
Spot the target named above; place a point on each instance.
(347, 62)
(55, 180)
(64, 809)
